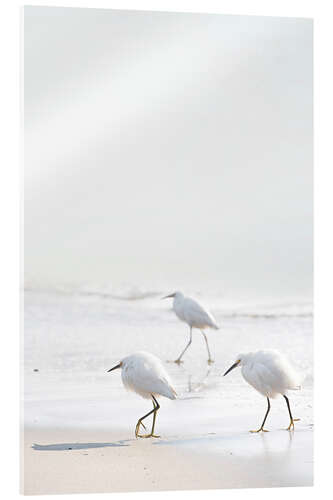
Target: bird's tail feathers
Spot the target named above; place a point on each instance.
(174, 394)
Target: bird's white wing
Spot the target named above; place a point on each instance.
(196, 315)
(271, 374)
(282, 373)
(263, 379)
(148, 379)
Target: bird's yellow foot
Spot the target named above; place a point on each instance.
(291, 425)
(147, 436)
(137, 428)
(210, 361)
(260, 430)
(178, 361)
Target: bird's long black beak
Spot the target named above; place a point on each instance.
(231, 368)
(168, 296)
(114, 368)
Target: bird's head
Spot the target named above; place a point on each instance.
(115, 367)
(175, 295)
(240, 359)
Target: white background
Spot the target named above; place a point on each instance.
(168, 150)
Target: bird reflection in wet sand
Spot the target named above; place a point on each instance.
(199, 385)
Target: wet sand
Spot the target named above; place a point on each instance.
(71, 401)
(86, 461)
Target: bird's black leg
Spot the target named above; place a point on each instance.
(178, 360)
(267, 412)
(157, 407)
(292, 420)
(154, 410)
(140, 422)
(210, 360)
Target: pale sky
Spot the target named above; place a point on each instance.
(168, 148)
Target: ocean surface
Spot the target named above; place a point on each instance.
(72, 336)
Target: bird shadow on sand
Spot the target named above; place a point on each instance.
(77, 446)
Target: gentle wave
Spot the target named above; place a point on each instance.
(125, 293)
(268, 315)
(227, 307)
(277, 309)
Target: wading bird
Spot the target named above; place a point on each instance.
(270, 373)
(144, 374)
(195, 315)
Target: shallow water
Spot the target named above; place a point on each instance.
(72, 339)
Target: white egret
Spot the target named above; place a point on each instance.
(195, 315)
(145, 374)
(270, 373)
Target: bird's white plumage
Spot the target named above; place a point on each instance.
(145, 374)
(193, 313)
(269, 372)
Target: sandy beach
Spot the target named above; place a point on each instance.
(98, 462)
(79, 420)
